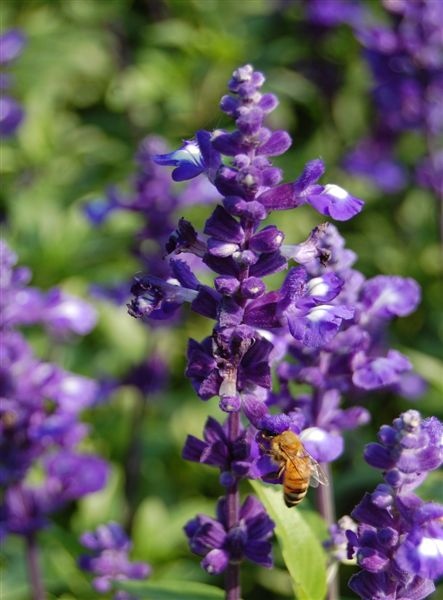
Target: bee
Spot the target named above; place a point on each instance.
(298, 467)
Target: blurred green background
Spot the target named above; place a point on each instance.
(97, 76)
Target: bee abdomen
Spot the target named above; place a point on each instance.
(294, 497)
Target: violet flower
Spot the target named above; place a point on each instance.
(399, 540)
(40, 409)
(405, 57)
(220, 544)
(108, 559)
(12, 43)
(234, 363)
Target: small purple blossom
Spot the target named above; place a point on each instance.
(108, 559)
(220, 545)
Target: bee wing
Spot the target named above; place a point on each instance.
(318, 476)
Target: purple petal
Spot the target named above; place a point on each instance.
(333, 201)
(221, 225)
(277, 144)
(11, 45)
(281, 197)
(386, 297)
(215, 562)
(322, 445)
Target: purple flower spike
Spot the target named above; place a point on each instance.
(408, 449)
(109, 561)
(325, 318)
(398, 542)
(41, 405)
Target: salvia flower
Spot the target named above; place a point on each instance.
(324, 315)
(41, 405)
(108, 558)
(405, 57)
(398, 542)
(220, 545)
(12, 43)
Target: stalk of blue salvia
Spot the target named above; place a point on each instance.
(397, 538)
(40, 408)
(12, 43)
(234, 363)
(349, 366)
(108, 559)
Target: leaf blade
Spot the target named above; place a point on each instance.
(171, 590)
(303, 554)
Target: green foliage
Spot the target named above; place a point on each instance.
(303, 554)
(95, 78)
(185, 590)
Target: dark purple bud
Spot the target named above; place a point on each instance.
(268, 103)
(249, 120)
(268, 239)
(254, 211)
(277, 144)
(267, 264)
(252, 288)
(229, 105)
(222, 226)
(227, 286)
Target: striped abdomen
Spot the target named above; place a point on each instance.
(295, 482)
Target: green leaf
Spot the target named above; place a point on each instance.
(171, 590)
(302, 552)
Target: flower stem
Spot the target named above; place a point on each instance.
(232, 581)
(326, 507)
(35, 577)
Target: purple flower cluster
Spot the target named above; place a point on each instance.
(234, 362)
(40, 405)
(347, 363)
(325, 316)
(109, 561)
(11, 113)
(405, 57)
(220, 544)
(398, 542)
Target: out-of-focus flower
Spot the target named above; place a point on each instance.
(41, 404)
(108, 560)
(11, 113)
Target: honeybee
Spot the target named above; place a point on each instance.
(298, 467)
